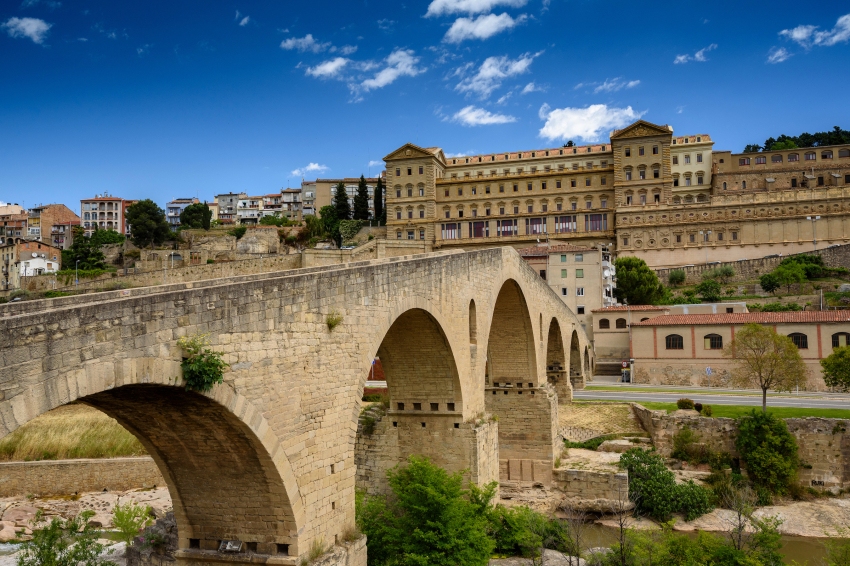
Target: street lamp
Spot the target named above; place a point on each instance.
(814, 231)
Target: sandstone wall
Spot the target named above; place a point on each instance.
(600, 485)
(65, 477)
(823, 444)
(749, 269)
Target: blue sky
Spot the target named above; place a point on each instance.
(166, 99)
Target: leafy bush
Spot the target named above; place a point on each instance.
(202, 367)
(68, 542)
(769, 452)
(349, 228)
(54, 294)
(685, 403)
(130, 519)
(769, 282)
(333, 320)
(693, 500)
(428, 519)
(238, 231)
(591, 444)
(709, 290)
(698, 407)
(676, 277)
(706, 410)
(103, 237)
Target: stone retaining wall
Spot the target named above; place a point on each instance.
(823, 444)
(592, 485)
(65, 477)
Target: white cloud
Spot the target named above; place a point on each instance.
(472, 116)
(345, 49)
(531, 87)
(33, 28)
(504, 98)
(444, 7)
(399, 63)
(386, 24)
(493, 71)
(143, 50)
(376, 163)
(302, 44)
(32, 3)
(460, 154)
(584, 123)
(329, 69)
(680, 109)
(807, 35)
(482, 27)
(699, 56)
(615, 84)
(244, 21)
(778, 55)
(310, 168)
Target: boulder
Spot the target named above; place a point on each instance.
(7, 534)
(21, 515)
(618, 446)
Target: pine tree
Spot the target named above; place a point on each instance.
(379, 202)
(343, 208)
(361, 200)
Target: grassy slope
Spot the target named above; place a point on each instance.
(733, 411)
(71, 431)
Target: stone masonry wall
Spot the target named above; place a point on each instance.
(822, 444)
(749, 269)
(592, 484)
(65, 477)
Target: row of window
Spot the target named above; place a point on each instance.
(715, 341)
(544, 153)
(686, 159)
(409, 171)
(808, 156)
(704, 237)
(506, 228)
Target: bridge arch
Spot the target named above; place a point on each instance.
(557, 371)
(575, 357)
(511, 347)
(227, 474)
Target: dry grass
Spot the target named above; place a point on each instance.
(607, 418)
(71, 431)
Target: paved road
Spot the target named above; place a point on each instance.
(752, 400)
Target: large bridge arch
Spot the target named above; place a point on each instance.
(512, 349)
(227, 475)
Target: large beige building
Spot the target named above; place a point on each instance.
(671, 200)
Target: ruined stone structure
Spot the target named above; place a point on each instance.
(267, 457)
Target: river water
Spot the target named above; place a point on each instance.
(810, 551)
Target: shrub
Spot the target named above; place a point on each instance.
(54, 294)
(209, 261)
(685, 403)
(130, 519)
(693, 500)
(238, 231)
(349, 228)
(333, 320)
(706, 410)
(709, 290)
(769, 452)
(698, 407)
(202, 367)
(676, 277)
(68, 542)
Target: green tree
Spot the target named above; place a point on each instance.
(238, 231)
(379, 202)
(769, 451)
(129, 519)
(330, 222)
(148, 226)
(836, 369)
(766, 360)
(637, 284)
(709, 290)
(752, 148)
(341, 204)
(361, 200)
(196, 215)
(676, 277)
(82, 250)
(769, 282)
(429, 520)
(780, 145)
(789, 274)
(103, 237)
(68, 542)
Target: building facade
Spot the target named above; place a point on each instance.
(175, 208)
(51, 224)
(26, 258)
(104, 212)
(582, 277)
(320, 193)
(228, 203)
(670, 200)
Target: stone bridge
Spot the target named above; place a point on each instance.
(267, 457)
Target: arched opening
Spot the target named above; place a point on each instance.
(604, 323)
(473, 324)
(586, 361)
(556, 362)
(840, 339)
(511, 354)
(575, 359)
(223, 481)
(621, 323)
(800, 340)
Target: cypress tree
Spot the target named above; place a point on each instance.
(379, 201)
(343, 208)
(361, 200)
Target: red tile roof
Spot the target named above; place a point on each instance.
(746, 318)
(624, 308)
(538, 251)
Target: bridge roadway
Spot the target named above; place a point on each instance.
(266, 457)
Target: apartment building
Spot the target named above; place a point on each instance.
(25, 258)
(228, 203)
(321, 192)
(51, 224)
(13, 222)
(174, 208)
(105, 212)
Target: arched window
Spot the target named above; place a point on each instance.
(724, 185)
(621, 323)
(840, 339)
(800, 340)
(674, 342)
(776, 159)
(844, 153)
(811, 156)
(644, 318)
(793, 157)
(826, 154)
(473, 324)
(605, 323)
(713, 342)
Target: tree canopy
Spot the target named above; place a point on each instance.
(379, 202)
(84, 251)
(148, 226)
(836, 369)
(709, 290)
(637, 284)
(330, 222)
(766, 360)
(836, 136)
(102, 237)
(788, 274)
(361, 200)
(197, 215)
(341, 204)
(769, 282)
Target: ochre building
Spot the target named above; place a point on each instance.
(671, 200)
